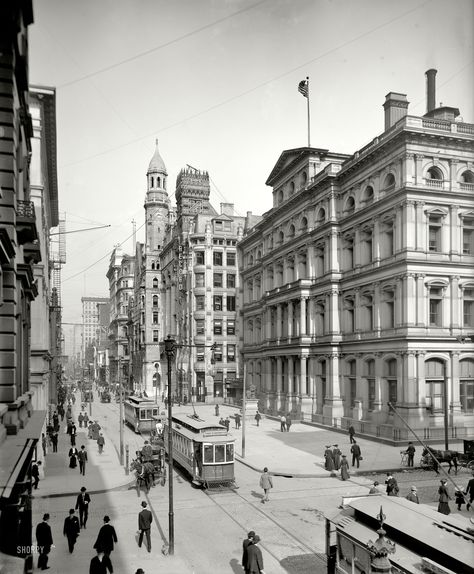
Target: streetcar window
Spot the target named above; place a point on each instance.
(136, 413)
(220, 453)
(229, 452)
(208, 453)
(155, 412)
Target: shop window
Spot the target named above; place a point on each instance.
(466, 385)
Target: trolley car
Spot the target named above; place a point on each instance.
(140, 413)
(204, 450)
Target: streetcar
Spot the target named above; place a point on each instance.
(140, 413)
(204, 450)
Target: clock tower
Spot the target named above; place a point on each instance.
(156, 203)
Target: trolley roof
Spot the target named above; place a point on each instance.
(198, 429)
(140, 401)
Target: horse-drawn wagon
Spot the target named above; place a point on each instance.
(431, 457)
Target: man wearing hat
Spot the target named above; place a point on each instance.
(470, 492)
(245, 544)
(82, 503)
(145, 518)
(71, 529)
(255, 558)
(106, 538)
(412, 496)
(44, 540)
(374, 489)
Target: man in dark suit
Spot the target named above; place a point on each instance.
(44, 539)
(100, 564)
(245, 544)
(106, 538)
(255, 558)
(82, 503)
(71, 529)
(470, 492)
(145, 518)
(82, 458)
(355, 450)
(35, 473)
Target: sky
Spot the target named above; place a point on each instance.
(215, 81)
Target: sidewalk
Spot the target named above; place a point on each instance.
(103, 471)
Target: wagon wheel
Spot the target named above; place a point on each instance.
(470, 465)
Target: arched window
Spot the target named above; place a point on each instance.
(467, 177)
(434, 173)
(152, 264)
(280, 197)
(281, 237)
(368, 195)
(291, 231)
(155, 282)
(155, 300)
(350, 205)
(390, 371)
(321, 216)
(152, 181)
(389, 181)
(292, 187)
(158, 182)
(304, 179)
(304, 224)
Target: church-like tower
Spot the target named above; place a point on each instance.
(156, 202)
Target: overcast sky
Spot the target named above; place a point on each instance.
(216, 82)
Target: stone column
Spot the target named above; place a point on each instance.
(334, 324)
(376, 238)
(333, 406)
(409, 297)
(419, 169)
(398, 239)
(332, 215)
(454, 247)
(310, 261)
(357, 322)
(445, 235)
(453, 180)
(398, 302)
(420, 357)
(301, 389)
(410, 224)
(378, 381)
(454, 299)
(357, 248)
(455, 405)
(290, 319)
(421, 303)
(377, 310)
(332, 243)
(303, 327)
(278, 321)
(291, 376)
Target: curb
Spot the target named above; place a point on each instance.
(102, 491)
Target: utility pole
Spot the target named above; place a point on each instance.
(121, 410)
(244, 407)
(170, 347)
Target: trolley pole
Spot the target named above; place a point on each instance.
(244, 409)
(121, 412)
(170, 346)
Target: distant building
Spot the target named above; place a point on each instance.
(358, 284)
(92, 329)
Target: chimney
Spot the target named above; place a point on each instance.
(430, 89)
(396, 107)
(227, 209)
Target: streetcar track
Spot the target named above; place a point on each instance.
(287, 532)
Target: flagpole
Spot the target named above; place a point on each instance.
(309, 124)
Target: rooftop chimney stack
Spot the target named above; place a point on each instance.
(396, 107)
(430, 89)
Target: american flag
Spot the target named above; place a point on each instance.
(303, 88)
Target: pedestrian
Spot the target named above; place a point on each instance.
(73, 454)
(80, 418)
(288, 422)
(374, 489)
(71, 529)
(100, 442)
(258, 416)
(443, 500)
(61, 411)
(266, 483)
(35, 473)
(217, 410)
(89, 429)
(328, 460)
(351, 434)
(73, 434)
(459, 497)
(100, 564)
(86, 420)
(345, 468)
(43, 443)
(227, 423)
(140, 570)
(106, 538)
(237, 420)
(336, 456)
(391, 485)
(222, 421)
(44, 540)
(470, 492)
(145, 518)
(56, 421)
(282, 423)
(255, 558)
(410, 451)
(412, 496)
(356, 454)
(82, 503)
(82, 458)
(54, 440)
(245, 544)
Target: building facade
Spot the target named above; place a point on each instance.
(92, 330)
(358, 284)
(120, 276)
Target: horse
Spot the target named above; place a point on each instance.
(449, 456)
(144, 474)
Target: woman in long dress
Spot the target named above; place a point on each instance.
(336, 455)
(73, 457)
(329, 462)
(443, 504)
(345, 468)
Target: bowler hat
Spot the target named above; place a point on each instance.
(143, 504)
(256, 539)
(251, 534)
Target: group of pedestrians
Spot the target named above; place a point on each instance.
(285, 422)
(252, 558)
(334, 460)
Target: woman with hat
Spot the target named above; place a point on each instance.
(443, 504)
(345, 468)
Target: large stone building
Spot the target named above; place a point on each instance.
(92, 330)
(358, 284)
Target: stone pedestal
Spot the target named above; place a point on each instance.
(251, 407)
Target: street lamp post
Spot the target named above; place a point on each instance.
(170, 346)
(121, 411)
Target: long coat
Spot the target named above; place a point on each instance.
(145, 518)
(443, 504)
(255, 559)
(336, 455)
(100, 566)
(71, 527)
(329, 462)
(44, 537)
(345, 469)
(106, 538)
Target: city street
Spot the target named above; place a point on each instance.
(209, 525)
